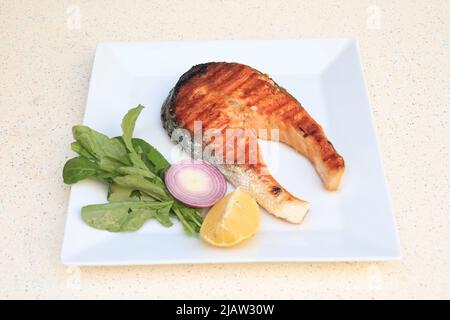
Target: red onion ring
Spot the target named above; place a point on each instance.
(196, 183)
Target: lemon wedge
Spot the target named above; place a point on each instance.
(231, 220)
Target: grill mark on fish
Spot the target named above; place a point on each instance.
(230, 78)
(256, 89)
(304, 132)
(289, 111)
(276, 104)
(256, 100)
(244, 90)
(216, 70)
(237, 84)
(223, 77)
(301, 124)
(237, 92)
(276, 190)
(200, 77)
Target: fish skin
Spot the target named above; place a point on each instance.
(234, 96)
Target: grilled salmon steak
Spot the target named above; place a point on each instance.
(235, 105)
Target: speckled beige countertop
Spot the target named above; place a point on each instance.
(46, 53)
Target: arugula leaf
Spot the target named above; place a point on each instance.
(76, 146)
(108, 164)
(142, 184)
(151, 157)
(120, 193)
(105, 162)
(100, 145)
(126, 215)
(79, 168)
(128, 124)
(190, 218)
(154, 160)
(141, 196)
(137, 171)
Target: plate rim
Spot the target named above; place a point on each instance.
(397, 251)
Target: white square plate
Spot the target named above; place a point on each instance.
(325, 75)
